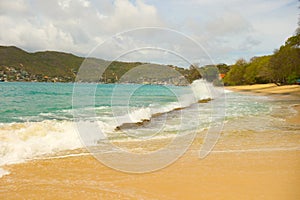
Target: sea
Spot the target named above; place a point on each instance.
(39, 120)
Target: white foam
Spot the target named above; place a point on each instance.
(228, 91)
(22, 141)
(199, 89)
(202, 89)
(138, 115)
(3, 172)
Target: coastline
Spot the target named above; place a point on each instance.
(267, 89)
(259, 175)
(296, 118)
(243, 165)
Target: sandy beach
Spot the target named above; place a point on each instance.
(268, 89)
(243, 165)
(147, 100)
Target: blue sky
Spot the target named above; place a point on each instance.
(225, 30)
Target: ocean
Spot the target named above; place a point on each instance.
(39, 120)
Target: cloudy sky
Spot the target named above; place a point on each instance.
(222, 30)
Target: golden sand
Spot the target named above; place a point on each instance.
(268, 89)
(252, 175)
(295, 119)
(249, 165)
(240, 175)
(243, 165)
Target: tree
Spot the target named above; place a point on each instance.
(285, 63)
(236, 74)
(223, 68)
(193, 73)
(258, 71)
(210, 73)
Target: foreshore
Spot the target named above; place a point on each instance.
(243, 165)
(268, 89)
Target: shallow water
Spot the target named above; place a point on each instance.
(39, 118)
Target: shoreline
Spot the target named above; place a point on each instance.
(267, 89)
(244, 164)
(188, 178)
(289, 92)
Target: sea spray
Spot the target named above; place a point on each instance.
(22, 141)
(3, 172)
(197, 91)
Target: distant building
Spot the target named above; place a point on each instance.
(221, 76)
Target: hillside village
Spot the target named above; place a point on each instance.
(11, 74)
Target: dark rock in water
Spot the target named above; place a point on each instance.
(204, 100)
(179, 108)
(132, 125)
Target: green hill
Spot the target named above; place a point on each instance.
(48, 63)
(19, 65)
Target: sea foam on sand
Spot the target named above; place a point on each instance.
(3, 172)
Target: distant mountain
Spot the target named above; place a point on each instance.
(19, 65)
(49, 63)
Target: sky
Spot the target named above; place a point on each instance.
(168, 32)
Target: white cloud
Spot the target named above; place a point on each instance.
(85, 3)
(127, 16)
(227, 24)
(226, 29)
(19, 6)
(75, 26)
(64, 4)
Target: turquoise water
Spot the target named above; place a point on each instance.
(23, 102)
(38, 118)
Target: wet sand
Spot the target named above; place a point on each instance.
(243, 165)
(296, 118)
(252, 175)
(268, 89)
